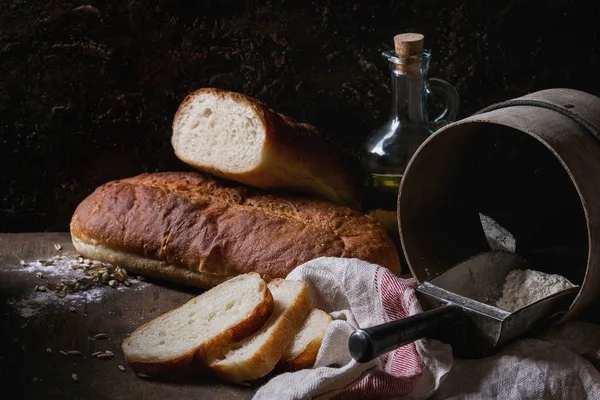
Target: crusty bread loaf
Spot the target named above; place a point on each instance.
(238, 138)
(302, 351)
(255, 356)
(215, 319)
(195, 230)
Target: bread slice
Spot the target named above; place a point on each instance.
(255, 356)
(302, 352)
(236, 137)
(215, 319)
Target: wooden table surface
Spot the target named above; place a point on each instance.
(28, 329)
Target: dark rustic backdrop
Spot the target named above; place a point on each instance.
(88, 89)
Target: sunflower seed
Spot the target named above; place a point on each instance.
(122, 368)
(100, 336)
(87, 261)
(110, 353)
(74, 377)
(113, 283)
(126, 283)
(140, 278)
(72, 309)
(105, 277)
(41, 288)
(64, 353)
(74, 352)
(48, 350)
(96, 353)
(23, 263)
(39, 275)
(57, 246)
(143, 375)
(104, 356)
(80, 260)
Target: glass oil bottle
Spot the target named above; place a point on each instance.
(389, 148)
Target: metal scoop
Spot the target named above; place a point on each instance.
(459, 311)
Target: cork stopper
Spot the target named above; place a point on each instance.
(409, 47)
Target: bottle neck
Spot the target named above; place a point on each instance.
(409, 102)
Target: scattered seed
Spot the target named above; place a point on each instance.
(74, 377)
(72, 309)
(75, 266)
(105, 277)
(110, 353)
(64, 353)
(104, 356)
(143, 375)
(100, 336)
(87, 261)
(57, 246)
(126, 283)
(80, 260)
(122, 368)
(96, 353)
(74, 352)
(39, 275)
(41, 288)
(113, 283)
(69, 282)
(23, 263)
(31, 302)
(48, 350)
(140, 278)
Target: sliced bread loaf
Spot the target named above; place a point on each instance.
(238, 138)
(255, 356)
(220, 316)
(303, 350)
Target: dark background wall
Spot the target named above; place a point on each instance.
(88, 89)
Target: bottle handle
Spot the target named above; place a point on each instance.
(451, 99)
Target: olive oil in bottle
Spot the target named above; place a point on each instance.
(389, 148)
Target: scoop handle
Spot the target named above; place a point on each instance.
(369, 343)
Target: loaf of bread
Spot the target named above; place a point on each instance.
(204, 325)
(196, 230)
(256, 355)
(236, 137)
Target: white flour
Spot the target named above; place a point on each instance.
(52, 273)
(523, 287)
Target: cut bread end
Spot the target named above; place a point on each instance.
(257, 355)
(215, 319)
(219, 131)
(302, 352)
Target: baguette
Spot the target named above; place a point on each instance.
(255, 356)
(209, 322)
(302, 351)
(191, 229)
(236, 137)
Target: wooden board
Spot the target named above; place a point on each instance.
(69, 323)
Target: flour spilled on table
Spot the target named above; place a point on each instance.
(69, 280)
